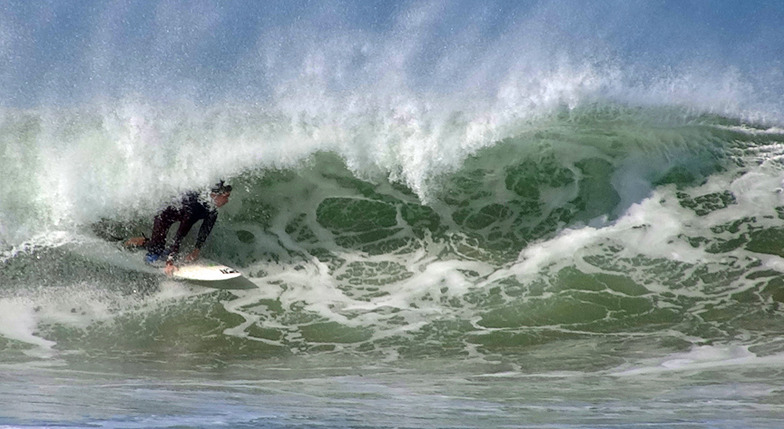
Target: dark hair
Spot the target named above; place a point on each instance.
(220, 188)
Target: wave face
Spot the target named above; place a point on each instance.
(540, 187)
(647, 227)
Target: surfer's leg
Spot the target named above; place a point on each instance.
(160, 228)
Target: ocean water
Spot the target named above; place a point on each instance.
(544, 214)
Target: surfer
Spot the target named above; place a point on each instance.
(192, 208)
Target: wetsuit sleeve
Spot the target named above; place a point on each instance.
(206, 228)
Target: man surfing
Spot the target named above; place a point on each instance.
(192, 208)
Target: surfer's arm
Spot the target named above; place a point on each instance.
(205, 229)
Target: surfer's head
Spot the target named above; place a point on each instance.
(220, 193)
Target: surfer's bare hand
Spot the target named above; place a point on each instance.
(170, 269)
(135, 242)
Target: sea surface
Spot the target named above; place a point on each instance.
(534, 214)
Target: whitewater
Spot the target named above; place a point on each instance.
(541, 214)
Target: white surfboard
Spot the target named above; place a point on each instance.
(206, 271)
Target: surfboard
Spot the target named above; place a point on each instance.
(202, 272)
(206, 271)
(211, 274)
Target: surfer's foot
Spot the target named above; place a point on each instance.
(151, 257)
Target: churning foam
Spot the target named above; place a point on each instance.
(18, 321)
(703, 358)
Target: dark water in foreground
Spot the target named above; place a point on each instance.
(433, 393)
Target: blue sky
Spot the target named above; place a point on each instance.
(66, 52)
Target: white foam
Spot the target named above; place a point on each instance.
(702, 358)
(18, 321)
(649, 228)
(50, 239)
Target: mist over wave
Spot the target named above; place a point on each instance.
(134, 103)
(415, 164)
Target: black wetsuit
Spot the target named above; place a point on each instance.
(191, 210)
